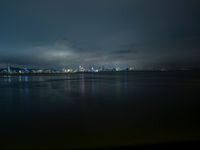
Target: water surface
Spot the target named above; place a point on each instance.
(97, 110)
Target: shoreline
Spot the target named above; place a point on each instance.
(103, 72)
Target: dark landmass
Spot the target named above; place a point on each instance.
(159, 146)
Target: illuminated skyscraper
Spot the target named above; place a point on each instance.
(8, 69)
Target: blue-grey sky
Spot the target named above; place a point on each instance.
(68, 33)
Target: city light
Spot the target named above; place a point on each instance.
(11, 69)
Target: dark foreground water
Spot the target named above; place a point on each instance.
(99, 110)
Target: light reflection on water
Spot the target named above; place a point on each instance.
(102, 108)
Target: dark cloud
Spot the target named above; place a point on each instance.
(127, 51)
(138, 33)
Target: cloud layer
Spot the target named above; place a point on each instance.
(139, 33)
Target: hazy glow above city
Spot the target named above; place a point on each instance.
(112, 33)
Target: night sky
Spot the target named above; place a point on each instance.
(68, 33)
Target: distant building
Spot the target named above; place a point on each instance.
(8, 69)
(81, 69)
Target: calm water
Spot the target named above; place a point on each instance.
(97, 110)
